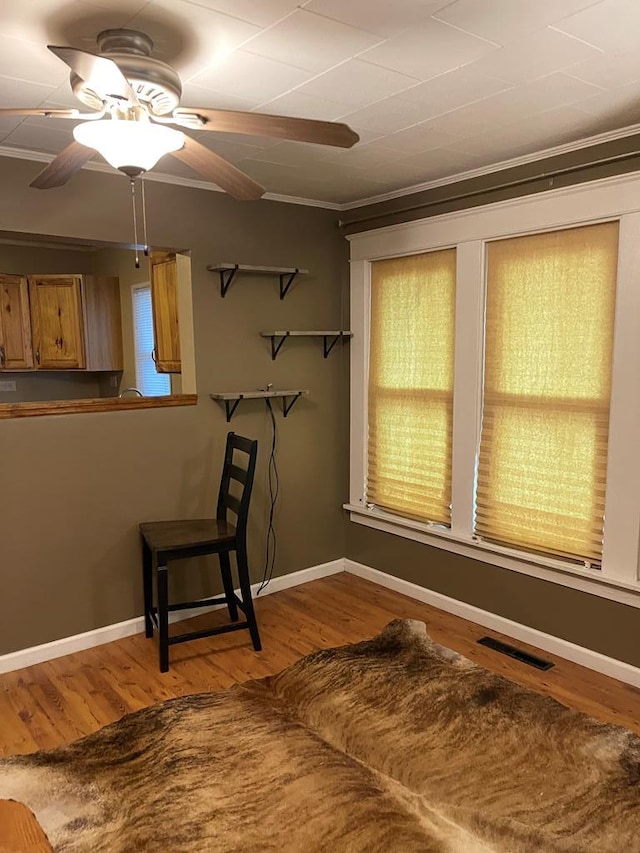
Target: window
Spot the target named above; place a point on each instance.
(547, 383)
(148, 380)
(495, 406)
(541, 470)
(411, 385)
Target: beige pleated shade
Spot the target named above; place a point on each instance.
(411, 385)
(547, 381)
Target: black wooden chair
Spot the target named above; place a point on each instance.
(165, 541)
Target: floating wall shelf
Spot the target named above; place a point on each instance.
(228, 272)
(232, 398)
(329, 339)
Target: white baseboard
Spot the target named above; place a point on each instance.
(89, 639)
(557, 646)
(547, 642)
(313, 573)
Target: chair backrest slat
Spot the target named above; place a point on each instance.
(232, 503)
(241, 443)
(238, 474)
(241, 471)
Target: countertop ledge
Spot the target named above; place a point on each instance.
(100, 404)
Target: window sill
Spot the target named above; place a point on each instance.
(544, 568)
(101, 404)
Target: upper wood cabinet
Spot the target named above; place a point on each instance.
(15, 326)
(76, 322)
(164, 299)
(57, 321)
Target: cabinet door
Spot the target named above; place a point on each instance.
(56, 318)
(164, 300)
(103, 322)
(15, 326)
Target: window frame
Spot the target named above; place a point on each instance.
(468, 232)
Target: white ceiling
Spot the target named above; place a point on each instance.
(434, 88)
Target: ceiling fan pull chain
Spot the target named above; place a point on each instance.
(144, 219)
(135, 223)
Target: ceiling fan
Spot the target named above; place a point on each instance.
(135, 98)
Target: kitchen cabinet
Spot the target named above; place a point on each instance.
(57, 322)
(76, 322)
(16, 352)
(164, 301)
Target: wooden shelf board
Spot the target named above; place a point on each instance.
(256, 270)
(255, 395)
(289, 333)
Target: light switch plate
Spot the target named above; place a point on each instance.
(7, 386)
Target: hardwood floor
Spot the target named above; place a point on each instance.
(58, 701)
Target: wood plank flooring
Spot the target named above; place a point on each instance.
(58, 701)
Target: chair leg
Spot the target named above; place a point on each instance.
(163, 617)
(227, 582)
(245, 589)
(147, 587)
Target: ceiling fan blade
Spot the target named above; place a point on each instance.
(281, 127)
(27, 111)
(99, 72)
(219, 171)
(69, 161)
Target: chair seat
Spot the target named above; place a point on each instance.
(173, 535)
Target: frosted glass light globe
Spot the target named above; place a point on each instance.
(131, 146)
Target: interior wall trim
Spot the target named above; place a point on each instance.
(513, 183)
(512, 162)
(536, 566)
(163, 178)
(547, 642)
(469, 174)
(109, 633)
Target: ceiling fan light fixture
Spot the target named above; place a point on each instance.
(141, 94)
(130, 146)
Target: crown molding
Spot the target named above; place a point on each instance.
(566, 148)
(162, 178)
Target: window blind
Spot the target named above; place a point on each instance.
(547, 379)
(411, 385)
(148, 380)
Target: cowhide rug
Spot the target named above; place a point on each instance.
(394, 744)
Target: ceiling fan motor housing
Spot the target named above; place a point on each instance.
(155, 83)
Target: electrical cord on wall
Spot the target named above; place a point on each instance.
(274, 488)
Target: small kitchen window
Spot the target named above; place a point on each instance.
(149, 382)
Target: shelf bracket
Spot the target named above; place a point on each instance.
(276, 347)
(286, 407)
(226, 277)
(231, 406)
(329, 343)
(286, 280)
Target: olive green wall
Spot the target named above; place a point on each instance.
(75, 486)
(587, 620)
